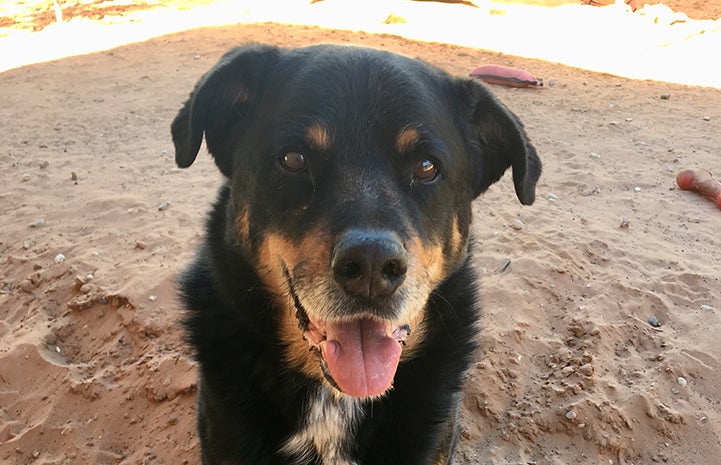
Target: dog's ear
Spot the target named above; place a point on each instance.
(221, 100)
(498, 142)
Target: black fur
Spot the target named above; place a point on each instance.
(253, 107)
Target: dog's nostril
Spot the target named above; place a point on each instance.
(369, 264)
(395, 269)
(349, 270)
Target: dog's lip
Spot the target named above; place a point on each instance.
(314, 331)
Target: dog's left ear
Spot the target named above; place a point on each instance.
(498, 142)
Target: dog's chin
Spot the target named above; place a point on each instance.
(358, 356)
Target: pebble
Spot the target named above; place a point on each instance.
(37, 223)
(707, 118)
(706, 308)
(59, 258)
(665, 96)
(637, 189)
(682, 381)
(44, 165)
(552, 197)
(625, 223)
(26, 245)
(594, 155)
(653, 321)
(570, 414)
(153, 298)
(26, 177)
(164, 205)
(517, 224)
(73, 176)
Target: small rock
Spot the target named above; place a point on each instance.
(594, 155)
(517, 224)
(27, 285)
(37, 223)
(86, 288)
(26, 177)
(675, 390)
(196, 57)
(551, 82)
(140, 245)
(653, 321)
(707, 118)
(552, 197)
(26, 245)
(59, 258)
(665, 96)
(153, 298)
(625, 223)
(570, 414)
(637, 189)
(73, 176)
(164, 205)
(44, 165)
(706, 308)
(682, 381)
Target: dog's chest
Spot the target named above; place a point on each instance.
(326, 432)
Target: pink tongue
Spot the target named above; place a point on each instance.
(362, 356)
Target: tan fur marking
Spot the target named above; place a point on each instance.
(243, 225)
(456, 237)
(407, 138)
(318, 137)
(431, 261)
(427, 270)
(275, 253)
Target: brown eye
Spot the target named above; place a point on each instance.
(294, 162)
(425, 171)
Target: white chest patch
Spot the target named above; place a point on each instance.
(326, 431)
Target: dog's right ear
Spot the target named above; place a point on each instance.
(221, 100)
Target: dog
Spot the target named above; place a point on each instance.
(332, 305)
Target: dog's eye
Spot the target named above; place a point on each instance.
(294, 162)
(425, 171)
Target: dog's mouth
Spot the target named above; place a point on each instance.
(359, 356)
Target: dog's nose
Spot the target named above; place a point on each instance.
(370, 264)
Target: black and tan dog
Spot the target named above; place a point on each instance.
(332, 304)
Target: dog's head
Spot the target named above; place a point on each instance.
(352, 173)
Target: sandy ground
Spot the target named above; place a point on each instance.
(93, 367)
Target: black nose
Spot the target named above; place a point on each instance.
(370, 264)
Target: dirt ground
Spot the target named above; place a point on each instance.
(97, 222)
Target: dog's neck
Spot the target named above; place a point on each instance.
(326, 430)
